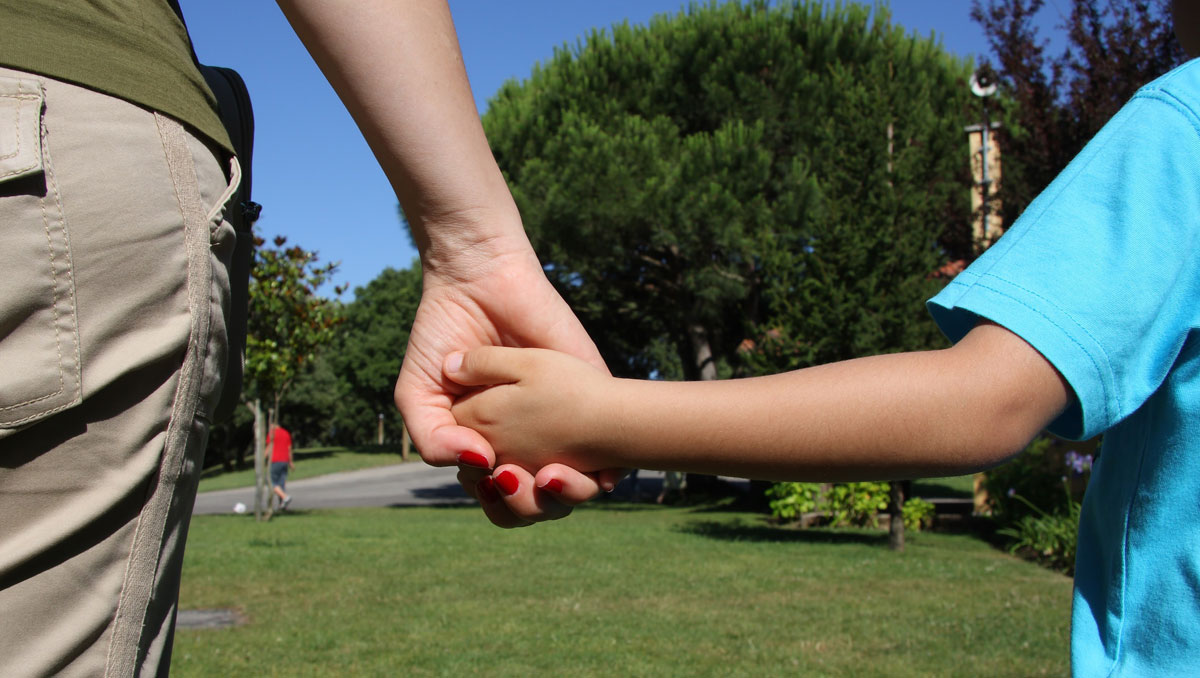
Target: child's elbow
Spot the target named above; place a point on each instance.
(1012, 392)
(1005, 444)
(1008, 430)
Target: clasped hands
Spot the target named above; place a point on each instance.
(499, 301)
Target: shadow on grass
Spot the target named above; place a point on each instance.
(448, 491)
(618, 505)
(728, 505)
(273, 543)
(937, 488)
(447, 495)
(765, 533)
(740, 503)
(463, 503)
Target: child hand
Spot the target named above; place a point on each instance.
(537, 406)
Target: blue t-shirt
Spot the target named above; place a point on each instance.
(1102, 276)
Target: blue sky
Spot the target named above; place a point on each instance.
(315, 176)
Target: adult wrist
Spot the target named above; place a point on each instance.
(463, 244)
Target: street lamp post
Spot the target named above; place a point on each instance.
(983, 86)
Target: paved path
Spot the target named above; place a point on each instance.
(411, 484)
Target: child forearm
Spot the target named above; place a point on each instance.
(902, 415)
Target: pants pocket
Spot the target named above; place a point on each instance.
(39, 344)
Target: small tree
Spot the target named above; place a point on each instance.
(340, 396)
(372, 343)
(288, 323)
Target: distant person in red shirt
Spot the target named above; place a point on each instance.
(279, 442)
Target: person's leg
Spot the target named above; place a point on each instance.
(115, 271)
(278, 474)
(284, 497)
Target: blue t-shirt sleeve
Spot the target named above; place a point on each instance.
(1100, 274)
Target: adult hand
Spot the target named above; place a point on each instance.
(398, 69)
(492, 293)
(511, 497)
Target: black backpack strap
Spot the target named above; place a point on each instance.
(233, 102)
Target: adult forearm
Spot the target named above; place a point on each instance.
(397, 67)
(893, 416)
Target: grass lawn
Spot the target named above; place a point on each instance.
(310, 462)
(614, 590)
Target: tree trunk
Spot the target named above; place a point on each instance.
(704, 364)
(259, 449)
(896, 530)
(699, 365)
(265, 455)
(405, 441)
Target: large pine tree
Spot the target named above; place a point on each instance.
(741, 171)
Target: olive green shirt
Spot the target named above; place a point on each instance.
(137, 50)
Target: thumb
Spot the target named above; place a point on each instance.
(485, 366)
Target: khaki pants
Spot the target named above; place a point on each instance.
(113, 267)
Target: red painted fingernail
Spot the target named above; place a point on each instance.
(486, 490)
(508, 483)
(553, 485)
(475, 459)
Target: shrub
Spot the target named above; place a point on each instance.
(1036, 501)
(917, 514)
(845, 503)
(1033, 474)
(856, 504)
(789, 501)
(1036, 476)
(1049, 538)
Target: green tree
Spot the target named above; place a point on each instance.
(691, 178)
(316, 406)
(339, 397)
(894, 208)
(890, 165)
(371, 349)
(786, 174)
(288, 324)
